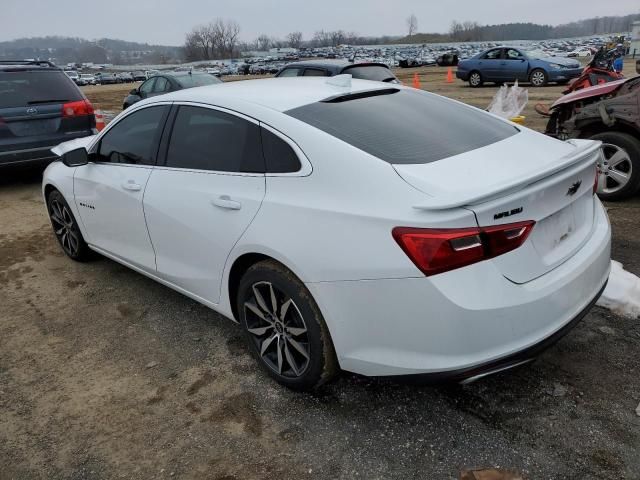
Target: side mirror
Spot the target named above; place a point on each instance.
(76, 158)
(134, 91)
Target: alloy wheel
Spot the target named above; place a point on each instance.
(278, 330)
(614, 169)
(538, 78)
(475, 79)
(64, 228)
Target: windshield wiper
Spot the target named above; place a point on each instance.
(53, 100)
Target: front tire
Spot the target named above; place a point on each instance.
(620, 169)
(284, 328)
(65, 227)
(475, 79)
(538, 78)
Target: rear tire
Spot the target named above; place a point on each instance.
(538, 78)
(620, 171)
(65, 227)
(475, 79)
(290, 339)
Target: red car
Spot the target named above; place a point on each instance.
(610, 113)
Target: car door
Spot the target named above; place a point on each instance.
(161, 86)
(109, 190)
(490, 65)
(207, 192)
(514, 65)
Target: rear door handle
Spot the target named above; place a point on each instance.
(131, 185)
(224, 201)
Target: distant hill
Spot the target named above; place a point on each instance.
(474, 32)
(63, 50)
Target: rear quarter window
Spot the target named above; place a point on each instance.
(28, 87)
(371, 72)
(405, 126)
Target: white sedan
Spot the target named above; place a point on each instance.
(345, 224)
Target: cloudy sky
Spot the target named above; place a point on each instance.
(167, 21)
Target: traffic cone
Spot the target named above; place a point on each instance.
(450, 75)
(99, 120)
(416, 81)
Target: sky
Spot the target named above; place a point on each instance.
(166, 21)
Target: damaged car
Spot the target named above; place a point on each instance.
(610, 113)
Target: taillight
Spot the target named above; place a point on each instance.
(436, 251)
(76, 109)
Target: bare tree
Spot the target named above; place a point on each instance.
(412, 24)
(217, 39)
(263, 42)
(294, 39)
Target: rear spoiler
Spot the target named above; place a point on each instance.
(584, 149)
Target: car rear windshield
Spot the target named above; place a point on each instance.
(370, 72)
(27, 87)
(404, 126)
(197, 80)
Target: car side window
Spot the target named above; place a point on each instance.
(147, 87)
(161, 86)
(314, 72)
(512, 54)
(289, 72)
(278, 155)
(207, 139)
(134, 139)
(493, 54)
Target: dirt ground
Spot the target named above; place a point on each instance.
(107, 374)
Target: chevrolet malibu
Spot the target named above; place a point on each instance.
(345, 224)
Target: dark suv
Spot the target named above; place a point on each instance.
(378, 72)
(40, 107)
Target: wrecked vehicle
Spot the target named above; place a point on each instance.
(610, 113)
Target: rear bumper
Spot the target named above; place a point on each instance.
(41, 155)
(464, 322)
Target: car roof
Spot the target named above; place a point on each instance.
(279, 94)
(24, 65)
(331, 64)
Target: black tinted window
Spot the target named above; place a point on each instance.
(289, 72)
(405, 126)
(314, 72)
(134, 139)
(20, 88)
(162, 85)
(197, 80)
(278, 155)
(206, 139)
(371, 72)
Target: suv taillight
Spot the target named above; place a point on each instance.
(76, 109)
(436, 251)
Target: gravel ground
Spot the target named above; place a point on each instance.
(107, 374)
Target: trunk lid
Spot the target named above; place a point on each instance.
(525, 177)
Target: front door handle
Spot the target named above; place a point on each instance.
(131, 185)
(224, 201)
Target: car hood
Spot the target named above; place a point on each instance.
(595, 91)
(565, 62)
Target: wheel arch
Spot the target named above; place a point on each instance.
(592, 128)
(239, 267)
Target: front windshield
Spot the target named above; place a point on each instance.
(536, 53)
